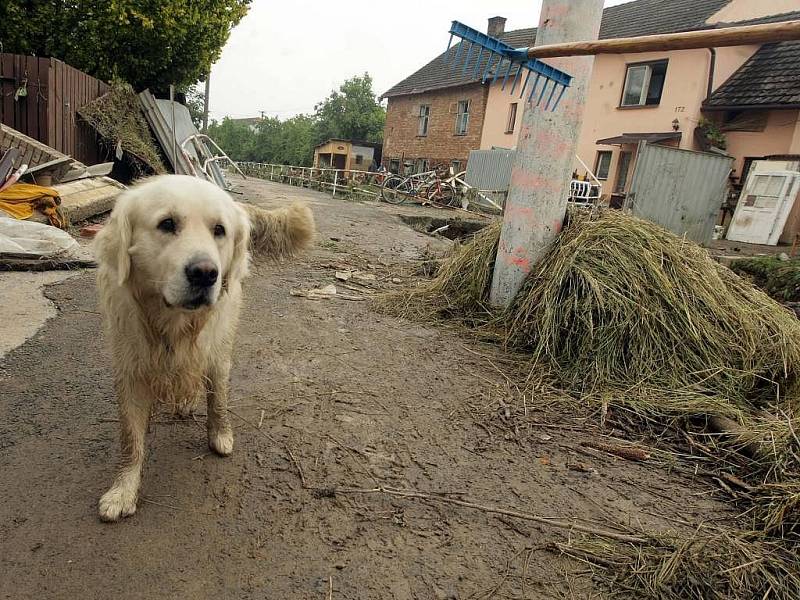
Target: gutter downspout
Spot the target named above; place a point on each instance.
(711, 69)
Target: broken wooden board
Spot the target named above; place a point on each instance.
(85, 198)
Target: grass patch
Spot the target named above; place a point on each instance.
(778, 278)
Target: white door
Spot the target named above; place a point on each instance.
(763, 207)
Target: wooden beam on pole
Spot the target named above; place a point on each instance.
(542, 170)
(688, 40)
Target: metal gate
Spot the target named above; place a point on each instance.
(681, 190)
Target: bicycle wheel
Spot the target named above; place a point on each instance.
(443, 194)
(395, 190)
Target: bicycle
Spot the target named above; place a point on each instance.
(397, 189)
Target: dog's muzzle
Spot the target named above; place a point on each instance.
(201, 275)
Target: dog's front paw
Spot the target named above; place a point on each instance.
(221, 441)
(117, 502)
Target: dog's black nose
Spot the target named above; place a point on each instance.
(202, 273)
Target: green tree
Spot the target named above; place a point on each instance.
(148, 43)
(351, 112)
(236, 139)
(194, 99)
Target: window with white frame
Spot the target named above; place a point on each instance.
(512, 117)
(462, 117)
(421, 165)
(424, 119)
(456, 166)
(644, 84)
(602, 165)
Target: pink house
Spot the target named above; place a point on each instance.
(750, 93)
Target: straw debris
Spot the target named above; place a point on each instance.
(627, 314)
(117, 118)
(718, 564)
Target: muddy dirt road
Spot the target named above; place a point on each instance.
(325, 394)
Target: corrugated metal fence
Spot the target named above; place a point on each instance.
(490, 172)
(40, 97)
(680, 190)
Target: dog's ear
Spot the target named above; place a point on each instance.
(113, 242)
(240, 261)
(282, 232)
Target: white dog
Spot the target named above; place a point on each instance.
(170, 266)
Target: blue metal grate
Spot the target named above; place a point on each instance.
(554, 82)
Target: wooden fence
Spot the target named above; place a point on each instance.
(40, 97)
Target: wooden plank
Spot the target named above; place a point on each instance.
(58, 113)
(19, 117)
(31, 101)
(8, 97)
(69, 128)
(51, 104)
(44, 99)
(689, 40)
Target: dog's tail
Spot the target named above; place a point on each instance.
(281, 232)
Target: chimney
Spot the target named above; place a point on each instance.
(497, 26)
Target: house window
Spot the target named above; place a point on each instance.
(424, 119)
(394, 165)
(462, 117)
(456, 166)
(422, 165)
(644, 84)
(359, 159)
(512, 117)
(623, 167)
(602, 165)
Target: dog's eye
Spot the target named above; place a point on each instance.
(219, 231)
(167, 225)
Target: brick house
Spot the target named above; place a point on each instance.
(435, 116)
(659, 97)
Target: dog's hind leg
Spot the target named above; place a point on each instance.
(134, 414)
(220, 433)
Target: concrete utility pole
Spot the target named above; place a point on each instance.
(542, 171)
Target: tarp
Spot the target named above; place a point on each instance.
(26, 239)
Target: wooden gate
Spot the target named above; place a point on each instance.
(40, 97)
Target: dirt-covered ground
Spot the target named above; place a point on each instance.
(326, 394)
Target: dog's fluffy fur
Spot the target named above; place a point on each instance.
(171, 341)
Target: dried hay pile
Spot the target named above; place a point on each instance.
(620, 307)
(461, 286)
(626, 313)
(117, 118)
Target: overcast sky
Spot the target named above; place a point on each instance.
(284, 57)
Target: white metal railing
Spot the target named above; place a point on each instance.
(585, 192)
(363, 182)
(367, 183)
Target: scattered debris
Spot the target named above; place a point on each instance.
(84, 198)
(91, 230)
(118, 119)
(324, 293)
(188, 151)
(626, 452)
(30, 246)
(22, 200)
